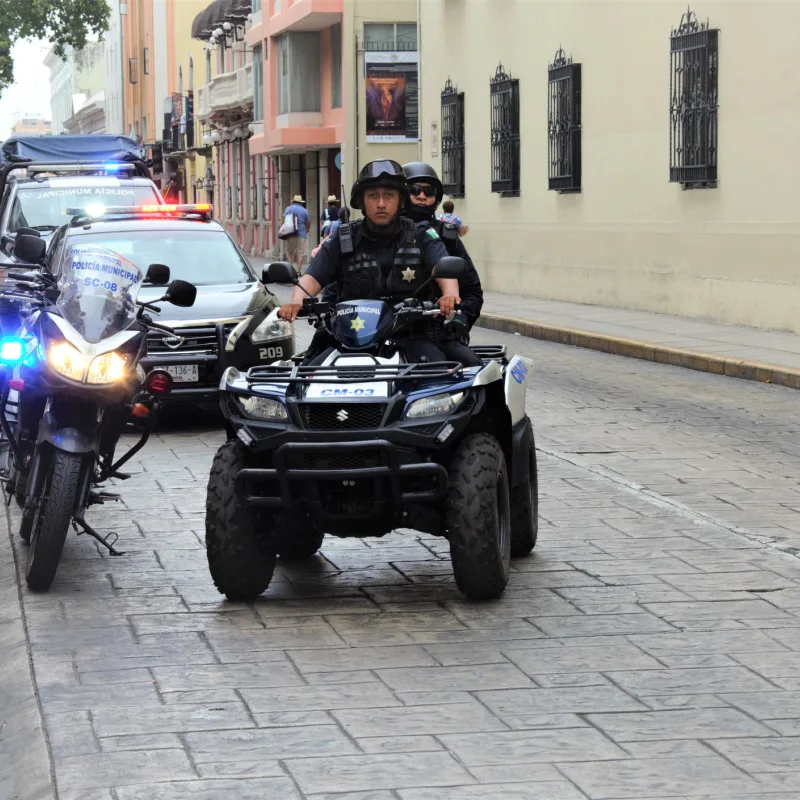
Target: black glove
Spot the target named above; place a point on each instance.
(458, 329)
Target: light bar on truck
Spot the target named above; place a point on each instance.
(116, 167)
(94, 211)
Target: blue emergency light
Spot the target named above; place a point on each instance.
(12, 350)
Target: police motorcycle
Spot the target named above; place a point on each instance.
(366, 443)
(70, 382)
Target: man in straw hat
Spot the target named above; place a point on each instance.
(329, 215)
(297, 243)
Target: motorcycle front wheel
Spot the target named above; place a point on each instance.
(51, 520)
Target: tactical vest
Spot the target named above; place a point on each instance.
(362, 278)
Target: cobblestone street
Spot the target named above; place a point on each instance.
(647, 649)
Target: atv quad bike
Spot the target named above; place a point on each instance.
(365, 443)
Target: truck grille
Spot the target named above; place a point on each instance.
(188, 341)
(347, 416)
(337, 461)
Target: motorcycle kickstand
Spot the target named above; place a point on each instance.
(87, 528)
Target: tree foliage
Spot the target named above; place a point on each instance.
(63, 23)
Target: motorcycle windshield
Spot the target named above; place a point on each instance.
(98, 289)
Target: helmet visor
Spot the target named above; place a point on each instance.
(378, 169)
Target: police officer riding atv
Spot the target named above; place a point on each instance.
(376, 430)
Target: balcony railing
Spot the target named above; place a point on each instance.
(227, 91)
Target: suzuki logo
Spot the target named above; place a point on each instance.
(173, 342)
(342, 416)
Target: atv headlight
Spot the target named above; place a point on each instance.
(107, 368)
(434, 405)
(263, 408)
(67, 360)
(270, 330)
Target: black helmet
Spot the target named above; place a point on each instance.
(418, 172)
(385, 174)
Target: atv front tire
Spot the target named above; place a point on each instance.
(479, 517)
(239, 559)
(525, 503)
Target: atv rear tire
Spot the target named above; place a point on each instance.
(525, 503)
(479, 517)
(239, 559)
(300, 544)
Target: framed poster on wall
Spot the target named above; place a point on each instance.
(392, 96)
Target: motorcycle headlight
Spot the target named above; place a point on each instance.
(271, 329)
(263, 408)
(107, 368)
(434, 405)
(67, 360)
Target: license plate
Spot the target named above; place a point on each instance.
(183, 373)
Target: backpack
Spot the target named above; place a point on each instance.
(290, 226)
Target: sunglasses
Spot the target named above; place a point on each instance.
(418, 189)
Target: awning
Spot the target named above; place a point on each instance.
(218, 12)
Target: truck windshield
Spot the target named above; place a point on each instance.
(45, 208)
(201, 256)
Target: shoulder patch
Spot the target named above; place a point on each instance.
(432, 233)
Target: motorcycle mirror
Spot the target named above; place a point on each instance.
(450, 267)
(279, 272)
(29, 232)
(157, 275)
(181, 293)
(30, 249)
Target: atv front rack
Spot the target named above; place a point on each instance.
(362, 373)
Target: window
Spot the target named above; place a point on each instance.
(180, 79)
(336, 66)
(191, 74)
(146, 61)
(564, 124)
(452, 140)
(694, 51)
(258, 85)
(390, 36)
(133, 70)
(504, 91)
(298, 72)
(208, 66)
(256, 6)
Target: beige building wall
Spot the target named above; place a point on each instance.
(630, 238)
(355, 14)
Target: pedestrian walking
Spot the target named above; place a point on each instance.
(449, 215)
(328, 216)
(294, 232)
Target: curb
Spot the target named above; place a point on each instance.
(646, 351)
(25, 766)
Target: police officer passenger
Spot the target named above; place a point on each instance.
(383, 256)
(426, 192)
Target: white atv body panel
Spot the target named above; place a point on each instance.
(517, 374)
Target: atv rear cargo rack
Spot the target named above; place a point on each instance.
(435, 370)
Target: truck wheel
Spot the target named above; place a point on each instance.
(300, 544)
(479, 517)
(525, 504)
(53, 514)
(239, 559)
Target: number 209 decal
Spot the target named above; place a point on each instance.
(270, 352)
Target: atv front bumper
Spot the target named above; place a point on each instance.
(300, 479)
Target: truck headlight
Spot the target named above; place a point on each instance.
(67, 360)
(263, 408)
(434, 405)
(271, 329)
(107, 368)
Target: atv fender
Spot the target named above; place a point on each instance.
(517, 374)
(520, 447)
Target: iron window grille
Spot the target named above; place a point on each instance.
(694, 63)
(564, 124)
(504, 91)
(452, 140)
